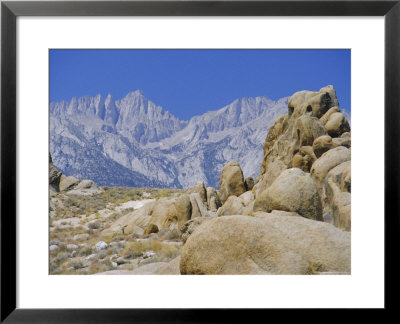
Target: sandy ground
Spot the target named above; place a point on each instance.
(147, 269)
(135, 204)
(76, 221)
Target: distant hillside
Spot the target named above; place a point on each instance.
(134, 142)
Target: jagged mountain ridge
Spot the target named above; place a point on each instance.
(134, 142)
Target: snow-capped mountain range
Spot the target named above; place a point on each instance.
(134, 142)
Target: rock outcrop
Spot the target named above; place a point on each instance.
(295, 218)
(337, 124)
(327, 162)
(287, 138)
(54, 176)
(249, 183)
(265, 244)
(69, 184)
(213, 199)
(233, 206)
(165, 213)
(237, 205)
(199, 188)
(198, 207)
(168, 212)
(337, 195)
(292, 191)
(170, 268)
(314, 137)
(188, 228)
(231, 181)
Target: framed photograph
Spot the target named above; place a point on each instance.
(144, 143)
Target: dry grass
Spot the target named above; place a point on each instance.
(135, 249)
(86, 215)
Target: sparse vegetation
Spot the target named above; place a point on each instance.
(164, 193)
(79, 220)
(93, 226)
(85, 251)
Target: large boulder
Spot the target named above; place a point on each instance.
(183, 209)
(85, 188)
(315, 104)
(272, 171)
(200, 189)
(343, 140)
(304, 158)
(198, 207)
(292, 191)
(67, 182)
(247, 197)
(306, 129)
(299, 128)
(170, 268)
(231, 182)
(168, 212)
(188, 228)
(54, 176)
(249, 183)
(213, 199)
(337, 195)
(233, 206)
(327, 162)
(322, 144)
(151, 228)
(266, 244)
(337, 124)
(129, 222)
(237, 205)
(165, 213)
(275, 131)
(324, 119)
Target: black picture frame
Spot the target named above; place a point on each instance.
(10, 10)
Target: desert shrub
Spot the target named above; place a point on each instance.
(135, 249)
(114, 216)
(108, 238)
(164, 251)
(83, 220)
(58, 259)
(102, 254)
(116, 237)
(126, 211)
(85, 251)
(94, 225)
(164, 193)
(129, 267)
(169, 251)
(76, 264)
(79, 230)
(166, 234)
(96, 267)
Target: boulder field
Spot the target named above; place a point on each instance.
(295, 218)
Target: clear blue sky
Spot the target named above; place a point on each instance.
(191, 82)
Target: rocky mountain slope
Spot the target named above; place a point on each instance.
(134, 142)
